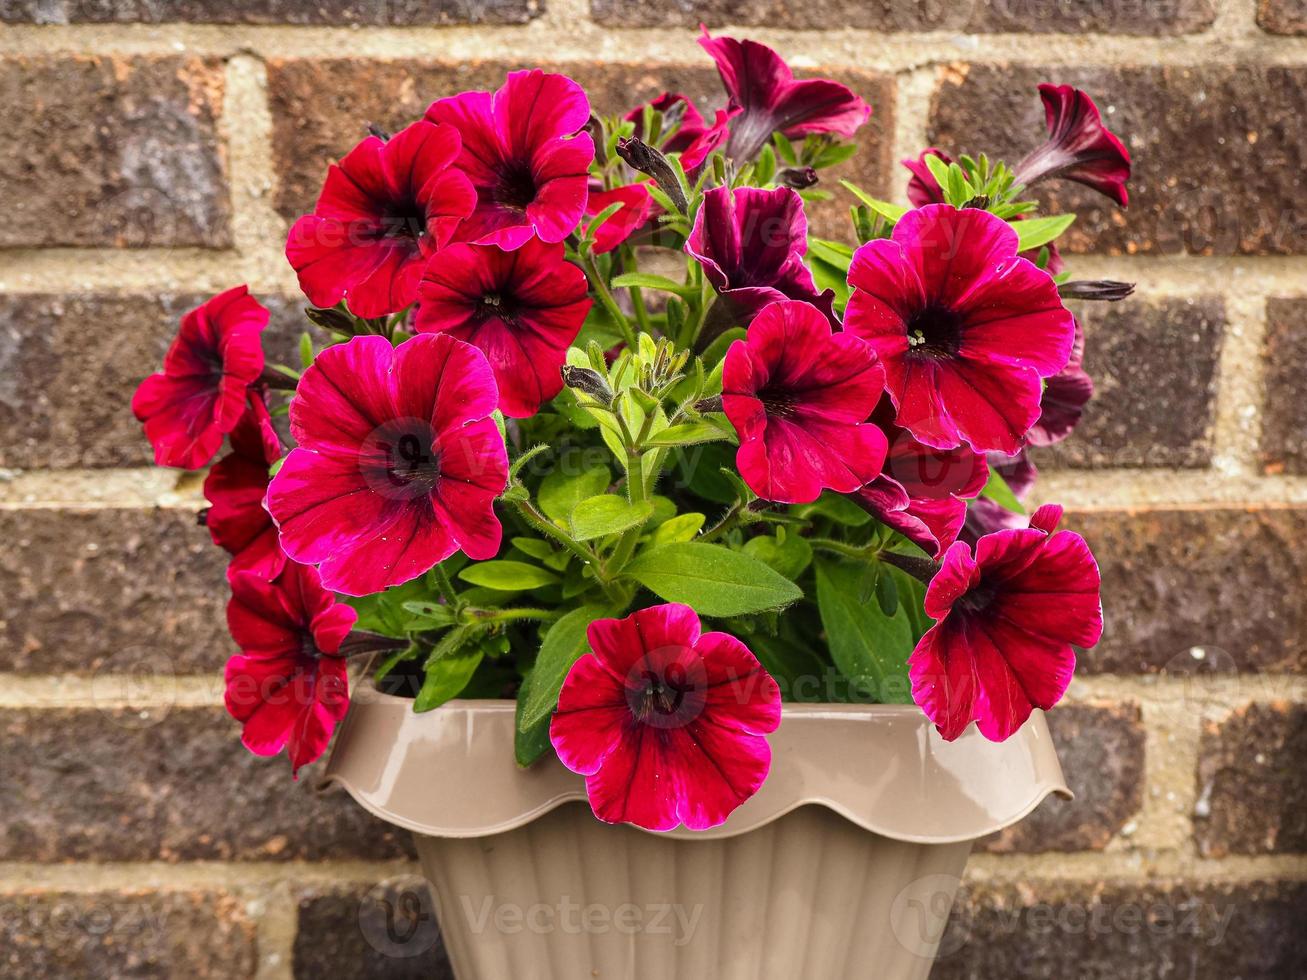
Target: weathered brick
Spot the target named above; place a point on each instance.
(365, 13)
(1227, 583)
(1284, 421)
(170, 785)
(108, 935)
(974, 17)
(1151, 930)
(1102, 753)
(1283, 16)
(1252, 787)
(388, 932)
(321, 108)
(1154, 370)
(1240, 196)
(112, 151)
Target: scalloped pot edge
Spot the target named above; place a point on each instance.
(451, 772)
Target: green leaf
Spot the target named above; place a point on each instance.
(645, 280)
(890, 212)
(870, 648)
(683, 527)
(607, 514)
(306, 349)
(507, 576)
(912, 596)
(832, 253)
(1034, 232)
(530, 742)
(563, 643)
(430, 612)
(838, 508)
(560, 491)
(446, 678)
(712, 580)
(533, 547)
(796, 669)
(687, 434)
(790, 555)
(998, 491)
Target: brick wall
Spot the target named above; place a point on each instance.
(151, 152)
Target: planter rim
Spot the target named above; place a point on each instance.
(451, 772)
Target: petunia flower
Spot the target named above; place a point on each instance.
(666, 723)
(682, 122)
(1079, 147)
(522, 309)
(751, 244)
(922, 492)
(965, 328)
(636, 207)
(288, 685)
(984, 516)
(799, 396)
(235, 488)
(1065, 396)
(383, 211)
(201, 393)
(398, 462)
(523, 150)
(773, 100)
(1005, 624)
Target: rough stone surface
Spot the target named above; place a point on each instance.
(1284, 416)
(1102, 753)
(1154, 370)
(1283, 16)
(1209, 589)
(1218, 161)
(1160, 930)
(388, 932)
(322, 107)
(1252, 785)
(365, 13)
(110, 935)
(112, 151)
(170, 785)
(972, 16)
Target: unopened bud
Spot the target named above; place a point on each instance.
(378, 132)
(588, 382)
(797, 178)
(1106, 290)
(640, 156)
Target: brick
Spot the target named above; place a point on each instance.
(365, 13)
(1283, 16)
(321, 108)
(1133, 419)
(388, 932)
(168, 785)
(1102, 753)
(1284, 416)
(1220, 588)
(1151, 930)
(975, 17)
(112, 151)
(1252, 788)
(106, 935)
(1239, 196)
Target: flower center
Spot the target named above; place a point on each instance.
(411, 463)
(778, 402)
(496, 306)
(660, 699)
(978, 598)
(516, 188)
(406, 219)
(936, 332)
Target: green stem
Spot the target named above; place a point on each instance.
(728, 522)
(446, 587)
(484, 616)
(841, 548)
(606, 299)
(548, 528)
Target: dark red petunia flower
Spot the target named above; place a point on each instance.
(799, 396)
(682, 122)
(1005, 624)
(235, 488)
(522, 309)
(1079, 147)
(965, 328)
(923, 188)
(773, 100)
(383, 211)
(398, 463)
(922, 492)
(526, 155)
(666, 723)
(201, 393)
(984, 516)
(1065, 396)
(288, 685)
(751, 244)
(636, 207)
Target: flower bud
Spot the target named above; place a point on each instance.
(1107, 290)
(640, 156)
(588, 382)
(797, 177)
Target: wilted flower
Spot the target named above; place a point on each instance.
(1079, 146)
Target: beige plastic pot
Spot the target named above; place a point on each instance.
(844, 865)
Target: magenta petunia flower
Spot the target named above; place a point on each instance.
(522, 309)
(922, 492)
(1065, 396)
(636, 207)
(524, 151)
(965, 328)
(923, 188)
(799, 396)
(682, 122)
(201, 393)
(773, 100)
(984, 516)
(288, 685)
(751, 244)
(1005, 623)
(235, 488)
(666, 723)
(384, 210)
(398, 463)
(1079, 147)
